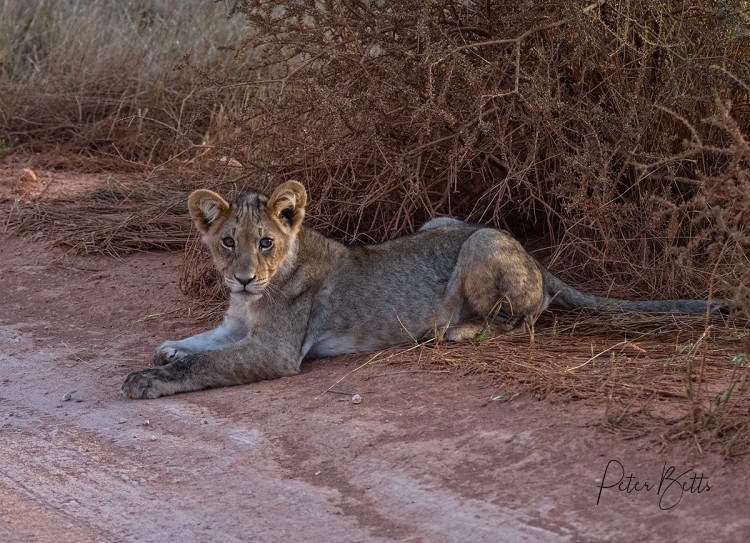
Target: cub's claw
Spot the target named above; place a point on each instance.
(162, 357)
(166, 355)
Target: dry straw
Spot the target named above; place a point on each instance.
(101, 77)
(667, 377)
(118, 218)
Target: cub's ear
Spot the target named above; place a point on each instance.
(206, 208)
(287, 203)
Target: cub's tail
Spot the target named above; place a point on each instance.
(568, 297)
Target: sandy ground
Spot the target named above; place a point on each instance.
(425, 456)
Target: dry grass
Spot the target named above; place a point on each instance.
(613, 136)
(117, 218)
(102, 78)
(667, 377)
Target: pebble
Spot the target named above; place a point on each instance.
(356, 398)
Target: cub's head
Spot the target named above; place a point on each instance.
(253, 237)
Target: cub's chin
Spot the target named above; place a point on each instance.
(246, 295)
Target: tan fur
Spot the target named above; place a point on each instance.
(310, 296)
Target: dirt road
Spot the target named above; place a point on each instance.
(424, 457)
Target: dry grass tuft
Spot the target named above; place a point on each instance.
(117, 218)
(104, 79)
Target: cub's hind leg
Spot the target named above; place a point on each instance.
(497, 285)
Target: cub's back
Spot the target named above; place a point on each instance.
(381, 291)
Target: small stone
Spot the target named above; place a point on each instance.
(356, 398)
(26, 181)
(27, 175)
(153, 438)
(67, 396)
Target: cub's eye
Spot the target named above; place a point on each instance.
(227, 242)
(266, 243)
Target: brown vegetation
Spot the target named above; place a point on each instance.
(613, 132)
(666, 377)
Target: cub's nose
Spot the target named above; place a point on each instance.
(244, 280)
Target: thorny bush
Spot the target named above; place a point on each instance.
(614, 132)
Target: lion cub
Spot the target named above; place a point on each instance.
(295, 293)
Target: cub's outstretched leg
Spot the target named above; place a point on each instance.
(245, 361)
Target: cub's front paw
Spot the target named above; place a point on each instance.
(148, 383)
(167, 353)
